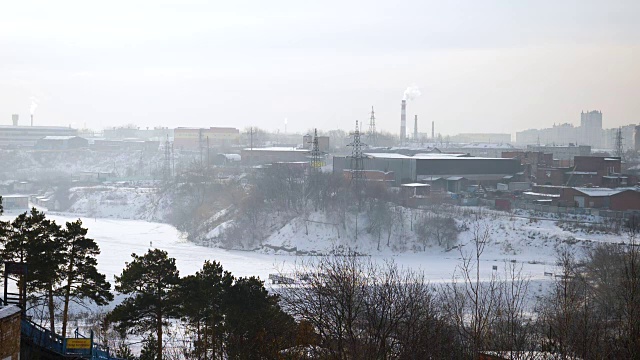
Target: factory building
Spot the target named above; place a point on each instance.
(439, 170)
(26, 136)
(196, 138)
(562, 152)
(323, 143)
(61, 143)
(270, 155)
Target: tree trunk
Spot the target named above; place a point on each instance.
(51, 310)
(159, 333)
(67, 296)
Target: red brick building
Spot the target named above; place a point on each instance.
(600, 198)
(531, 160)
(9, 332)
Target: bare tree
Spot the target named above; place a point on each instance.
(363, 310)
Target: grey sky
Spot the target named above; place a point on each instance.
(492, 66)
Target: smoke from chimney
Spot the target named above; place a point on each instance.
(411, 93)
(403, 121)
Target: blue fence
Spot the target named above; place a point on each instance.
(43, 338)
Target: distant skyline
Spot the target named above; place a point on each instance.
(482, 66)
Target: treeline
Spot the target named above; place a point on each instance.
(281, 192)
(362, 310)
(217, 315)
(220, 316)
(61, 264)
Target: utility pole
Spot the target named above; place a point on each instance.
(314, 167)
(372, 128)
(357, 169)
(619, 144)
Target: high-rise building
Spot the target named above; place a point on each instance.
(591, 128)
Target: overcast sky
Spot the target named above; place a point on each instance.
(482, 66)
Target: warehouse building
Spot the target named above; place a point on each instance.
(196, 138)
(447, 171)
(28, 136)
(61, 143)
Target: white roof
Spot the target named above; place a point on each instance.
(388, 155)
(58, 137)
(595, 192)
(6, 311)
(487, 146)
(276, 149)
(232, 157)
(415, 185)
(541, 194)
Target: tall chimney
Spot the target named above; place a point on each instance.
(14, 119)
(31, 119)
(433, 129)
(415, 128)
(403, 121)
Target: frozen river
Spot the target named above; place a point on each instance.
(118, 239)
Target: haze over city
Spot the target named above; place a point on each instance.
(489, 66)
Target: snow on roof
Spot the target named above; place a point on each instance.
(58, 137)
(415, 185)
(597, 192)
(232, 157)
(541, 194)
(14, 196)
(431, 178)
(487, 146)
(388, 156)
(582, 173)
(6, 311)
(455, 178)
(276, 149)
(611, 159)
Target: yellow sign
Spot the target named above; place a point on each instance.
(78, 343)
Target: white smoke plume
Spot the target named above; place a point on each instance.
(411, 93)
(34, 105)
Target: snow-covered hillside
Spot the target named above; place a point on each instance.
(122, 202)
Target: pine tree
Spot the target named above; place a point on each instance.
(149, 350)
(80, 276)
(255, 324)
(202, 308)
(150, 281)
(34, 240)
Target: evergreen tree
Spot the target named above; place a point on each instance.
(149, 350)
(80, 275)
(124, 352)
(256, 326)
(150, 281)
(34, 240)
(202, 308)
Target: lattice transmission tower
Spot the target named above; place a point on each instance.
(619, 143)
(372, 135)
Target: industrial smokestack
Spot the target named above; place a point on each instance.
(403, 121)
(31, 119)
(14, 119)
(433, 129)
(415, 128)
